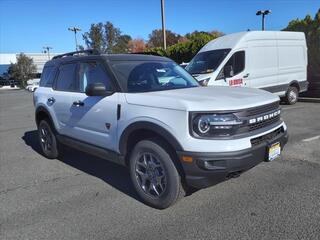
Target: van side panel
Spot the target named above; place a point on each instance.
(292, 62)
(262, 63)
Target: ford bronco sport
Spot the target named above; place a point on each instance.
(149, 114)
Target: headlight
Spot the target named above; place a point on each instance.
(214, 125)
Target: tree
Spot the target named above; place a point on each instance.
(189, 45)
(311, 29)
(156, 39)
(23, 70)
(106, 38)
(137, 45)
(122, 44)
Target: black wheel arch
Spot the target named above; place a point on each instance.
(295, 84)
(42, 113)
(148, 128)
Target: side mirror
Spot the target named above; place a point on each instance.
(228, 71)
(97, 89)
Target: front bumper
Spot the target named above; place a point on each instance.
(207, 169)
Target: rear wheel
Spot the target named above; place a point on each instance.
(154, 174)
(47, 139)
(291, 95)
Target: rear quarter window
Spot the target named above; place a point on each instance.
(47, 76)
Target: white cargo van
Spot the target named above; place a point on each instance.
(271, 60)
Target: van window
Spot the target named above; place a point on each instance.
(66, 79)
(47, 76)
(207, 62)
(92, 72)
(237, 61)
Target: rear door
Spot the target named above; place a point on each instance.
(93, 119)
(64, 87)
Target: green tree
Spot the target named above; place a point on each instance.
(156, 39)
(23, 70)
(185, 50)
(311, 28)
(106, 38)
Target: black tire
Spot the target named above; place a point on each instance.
(292, 95)
(168, 188)
(47, 139)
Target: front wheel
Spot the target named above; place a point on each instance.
(154, 174)
(291, 95)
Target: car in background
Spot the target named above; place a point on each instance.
(32, 87)
(275, 61)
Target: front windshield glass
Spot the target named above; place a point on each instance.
(142, 76)
(207, 62)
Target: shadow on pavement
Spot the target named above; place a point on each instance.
(111, 173)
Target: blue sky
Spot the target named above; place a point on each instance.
(28, 25)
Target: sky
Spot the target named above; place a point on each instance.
(28, 25)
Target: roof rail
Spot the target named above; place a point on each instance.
(88, 52)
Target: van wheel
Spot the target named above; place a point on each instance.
(154, 174)
(48, 141)
(291, 95)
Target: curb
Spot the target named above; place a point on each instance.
(308, 99)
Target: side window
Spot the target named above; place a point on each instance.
(66, 79)
(237, 61)
(47, 76)
(92, 72)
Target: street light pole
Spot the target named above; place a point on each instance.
(163, 26)
(75, 30)
(47, 50)
(263, 13)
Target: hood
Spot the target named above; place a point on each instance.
(203, 98)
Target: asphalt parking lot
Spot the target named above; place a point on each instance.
(83, 197)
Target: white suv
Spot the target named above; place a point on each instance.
(149, 114)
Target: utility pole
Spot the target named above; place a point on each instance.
(263, 13)
(163, 26)
(47, 50)
(75, 30)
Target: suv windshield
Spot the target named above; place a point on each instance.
(207, 62)
(142, 76)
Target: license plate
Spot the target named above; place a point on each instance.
(274, 151)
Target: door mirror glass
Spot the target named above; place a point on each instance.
(97, 89)
(228, 71)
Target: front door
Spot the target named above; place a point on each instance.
(93, 119)
(234, 71)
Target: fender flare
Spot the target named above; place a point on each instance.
(144, 125)
(46, 111)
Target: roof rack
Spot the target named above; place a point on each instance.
(88, 52)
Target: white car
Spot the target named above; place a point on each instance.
(32, 87)
(150, 115)
(271, 60)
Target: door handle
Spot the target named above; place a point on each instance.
(247, 75)
(51, 100)
(78, 103)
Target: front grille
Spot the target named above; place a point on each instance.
(263, 124)
(268, 137)
(262, 109)
(262, 116)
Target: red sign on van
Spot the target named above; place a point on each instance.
(235, 82)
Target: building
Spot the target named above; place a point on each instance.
(39, 60)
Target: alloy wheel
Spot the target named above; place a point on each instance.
(150, 175)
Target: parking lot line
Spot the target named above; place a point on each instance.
(311, 139)
(288, 108)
